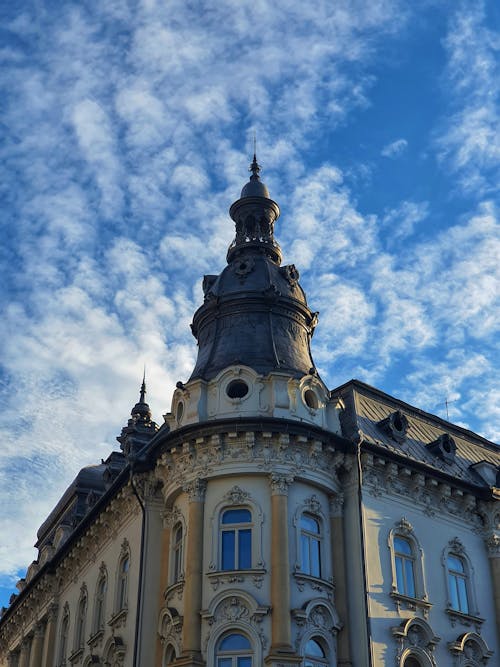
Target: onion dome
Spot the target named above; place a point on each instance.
(255, 312)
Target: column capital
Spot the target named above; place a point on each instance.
(196, 490)
(52, 611)
(280, 483)
(492, 541)
(336, 503)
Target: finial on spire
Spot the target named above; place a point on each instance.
(255, 169)
(143, 386)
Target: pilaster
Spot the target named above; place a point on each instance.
(339, 574)
(191, 629)
(37, 646)
(281, 652)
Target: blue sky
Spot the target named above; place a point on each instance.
(125, 134)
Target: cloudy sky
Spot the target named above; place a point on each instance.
(125, 134)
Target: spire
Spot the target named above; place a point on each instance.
(140, 411)
(140, 427)
(255, 168)
(143, 387)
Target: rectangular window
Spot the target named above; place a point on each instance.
(244, 662)
(228, 549)
(244, 549)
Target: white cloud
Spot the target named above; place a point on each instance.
(395, 148)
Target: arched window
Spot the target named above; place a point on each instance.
(310, 545)
(80, 621)
(404, 561)
(123, 570)
(234, 650)
(236, 541)
(315, 654)
(459, 573)
(457, 583)
(177, 553)
(408, 582)
(63, 640)
(100, 602)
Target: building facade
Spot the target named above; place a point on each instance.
(269, 520)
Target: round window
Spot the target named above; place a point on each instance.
(310, 399)
(237, 389)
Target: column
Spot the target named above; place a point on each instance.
(281, 628)
(168, 519)
(24, 656)
(339, 574)
(191, 627)
(493, 545)
(49, 643)
(37, 646)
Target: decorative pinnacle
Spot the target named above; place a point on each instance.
(143, 387)
(255, 169)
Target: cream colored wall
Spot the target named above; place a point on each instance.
(433, 533)
(102, 545)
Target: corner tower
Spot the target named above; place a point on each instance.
(253, 329)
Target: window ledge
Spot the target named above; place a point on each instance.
(76, 656)
(411, 603)
(119, 618)
(96, 638)
(236, 576)
(316, 583)
(464, 619)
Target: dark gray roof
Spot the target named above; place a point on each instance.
(367, 407)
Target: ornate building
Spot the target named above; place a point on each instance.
(269, 520)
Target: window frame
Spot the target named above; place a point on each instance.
(122, 580)
(404, 530)
(313, 508)
(177, 572)
(314, 542)
(99, 619)
(64, 636)
(237, 529)
(456, 549)
(237, 498)
(80, 619)
(314, 661)
(235, 654)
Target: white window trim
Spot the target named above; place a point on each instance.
(179, 520)
(456, 548)
(405, 530)
(103, 574)
(124, 553)
(313, 507)
(237, 498)
(79, 642)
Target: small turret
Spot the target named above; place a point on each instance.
(140, 427)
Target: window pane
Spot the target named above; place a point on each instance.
(462, 595)
(224, 662)
(314, 649)
(237, 516)
(244, 549)
(309, 523)
(315, 558)
(452, 581)
(400, 581)
(228, 550)
(455, 564)
(410, 580)
(234, 642)
(402, 546)
(178, 534)
(245, 662)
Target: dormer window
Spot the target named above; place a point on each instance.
(395, 425)
(444, 447)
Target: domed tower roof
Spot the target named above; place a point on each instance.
(255, 312)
